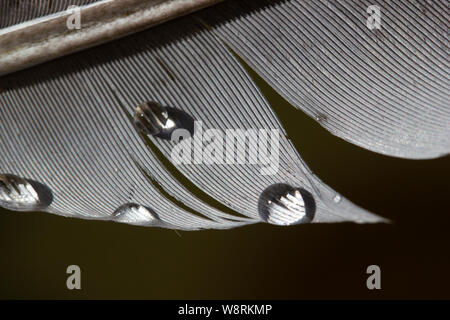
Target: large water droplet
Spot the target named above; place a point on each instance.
(159, 121)
(133, 213)
(21, 194)
(282, 204)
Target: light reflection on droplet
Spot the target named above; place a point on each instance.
(337, 198)
(20, 194)
(282, 204)
(133, 213)
(151, 118)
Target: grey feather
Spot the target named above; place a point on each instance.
(69, 146)
(66, 124)
(386, 90)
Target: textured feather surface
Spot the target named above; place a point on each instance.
(386, 90)
(67, 125)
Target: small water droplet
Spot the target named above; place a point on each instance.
(337, 198)
(282, 204)
(151, 118)
(321, 117)
(159, 121)
(133, 213)
(20, 194)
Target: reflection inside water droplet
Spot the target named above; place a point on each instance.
(151, 118)
(337, 198)
(135, 214)
(282, 204)
(154, 119)
(21, 194)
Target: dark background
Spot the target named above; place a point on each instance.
(259, 261)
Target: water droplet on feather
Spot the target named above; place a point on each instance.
(151, 118)
(282, 204)
(135, 214)
(154, 119)
(20, 194)
(337, 198)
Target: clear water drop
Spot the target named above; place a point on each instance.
(133, 213)
(337, 198)
(154, 119)
(281, 204)
(20, 194)
(151, 118)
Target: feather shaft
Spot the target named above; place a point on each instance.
(40, 40)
